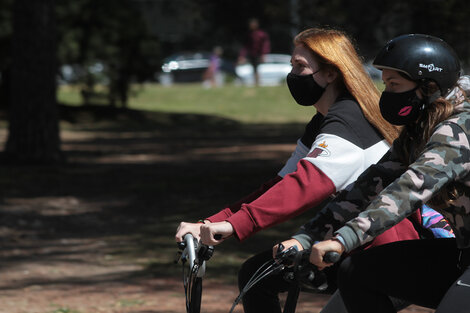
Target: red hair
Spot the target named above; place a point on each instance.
(334, 49)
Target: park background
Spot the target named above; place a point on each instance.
(97, 172)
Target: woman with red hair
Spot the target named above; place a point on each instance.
(346, 135)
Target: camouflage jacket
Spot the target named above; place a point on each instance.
(389, 191)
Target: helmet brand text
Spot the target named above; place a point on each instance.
(430, 67)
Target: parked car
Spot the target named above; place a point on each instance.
(272, 72)
(77, 73)
(188, 67)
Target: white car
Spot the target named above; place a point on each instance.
(271, 73)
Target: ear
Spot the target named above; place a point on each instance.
(331, 75)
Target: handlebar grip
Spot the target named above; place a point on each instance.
(182, 244)
(331, 257)
(217, 236)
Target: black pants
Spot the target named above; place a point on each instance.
(418, 271)
(263, 297)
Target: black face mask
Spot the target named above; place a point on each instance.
(400, 108)
(304, 89)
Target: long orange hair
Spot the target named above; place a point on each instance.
(333, 48)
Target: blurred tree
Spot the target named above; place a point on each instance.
(33, 129)
(113, 43)
(106, 42)
(372, 23)
(5, 50)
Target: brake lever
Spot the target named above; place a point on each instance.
(286, 256)
(178, 257)
(181, 245)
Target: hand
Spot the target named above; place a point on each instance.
(188, 228)
(320, 249)
(287, 244)
(208, 231)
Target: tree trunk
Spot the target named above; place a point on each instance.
(33, 129)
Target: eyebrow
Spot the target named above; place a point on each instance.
(298, 58)
(390, 78)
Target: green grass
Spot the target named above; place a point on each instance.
(243, 104)
(64, 310)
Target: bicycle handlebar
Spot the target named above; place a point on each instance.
(301, 274)
(287, 256)
(196, 254)
(331, 257)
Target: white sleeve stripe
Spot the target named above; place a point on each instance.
(341, 160)
(291, 165)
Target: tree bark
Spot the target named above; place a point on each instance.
(33, 118)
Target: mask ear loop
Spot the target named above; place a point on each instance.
(434, 96)
(427, 100)
(431, 98)
(316, 81)
(316, 71)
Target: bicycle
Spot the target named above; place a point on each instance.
(295, 264)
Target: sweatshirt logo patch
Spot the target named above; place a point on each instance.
(320, 150)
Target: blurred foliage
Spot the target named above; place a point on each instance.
(105, 42)
(5, 42)
(117, 42)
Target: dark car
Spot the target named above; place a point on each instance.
(188, 67)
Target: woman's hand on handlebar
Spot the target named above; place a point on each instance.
(287, 244)
(210, 233)
(188, 228)
(320, 249)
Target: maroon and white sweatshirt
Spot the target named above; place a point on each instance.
(334, 150)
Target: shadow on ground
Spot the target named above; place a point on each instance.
(131, 176)
(96, 234)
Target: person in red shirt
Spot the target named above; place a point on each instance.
(256, 46)
(345, 136)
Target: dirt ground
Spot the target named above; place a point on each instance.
(95, 234)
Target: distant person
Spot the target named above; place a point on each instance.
(256, 46)
(212, 76)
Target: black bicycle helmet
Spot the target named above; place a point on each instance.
(422, 58)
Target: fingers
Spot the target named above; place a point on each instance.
(187, 228)
(287, 244)
(208, 234)
(320, 249)
(316, 258)
(275, 248)
(215, 233)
